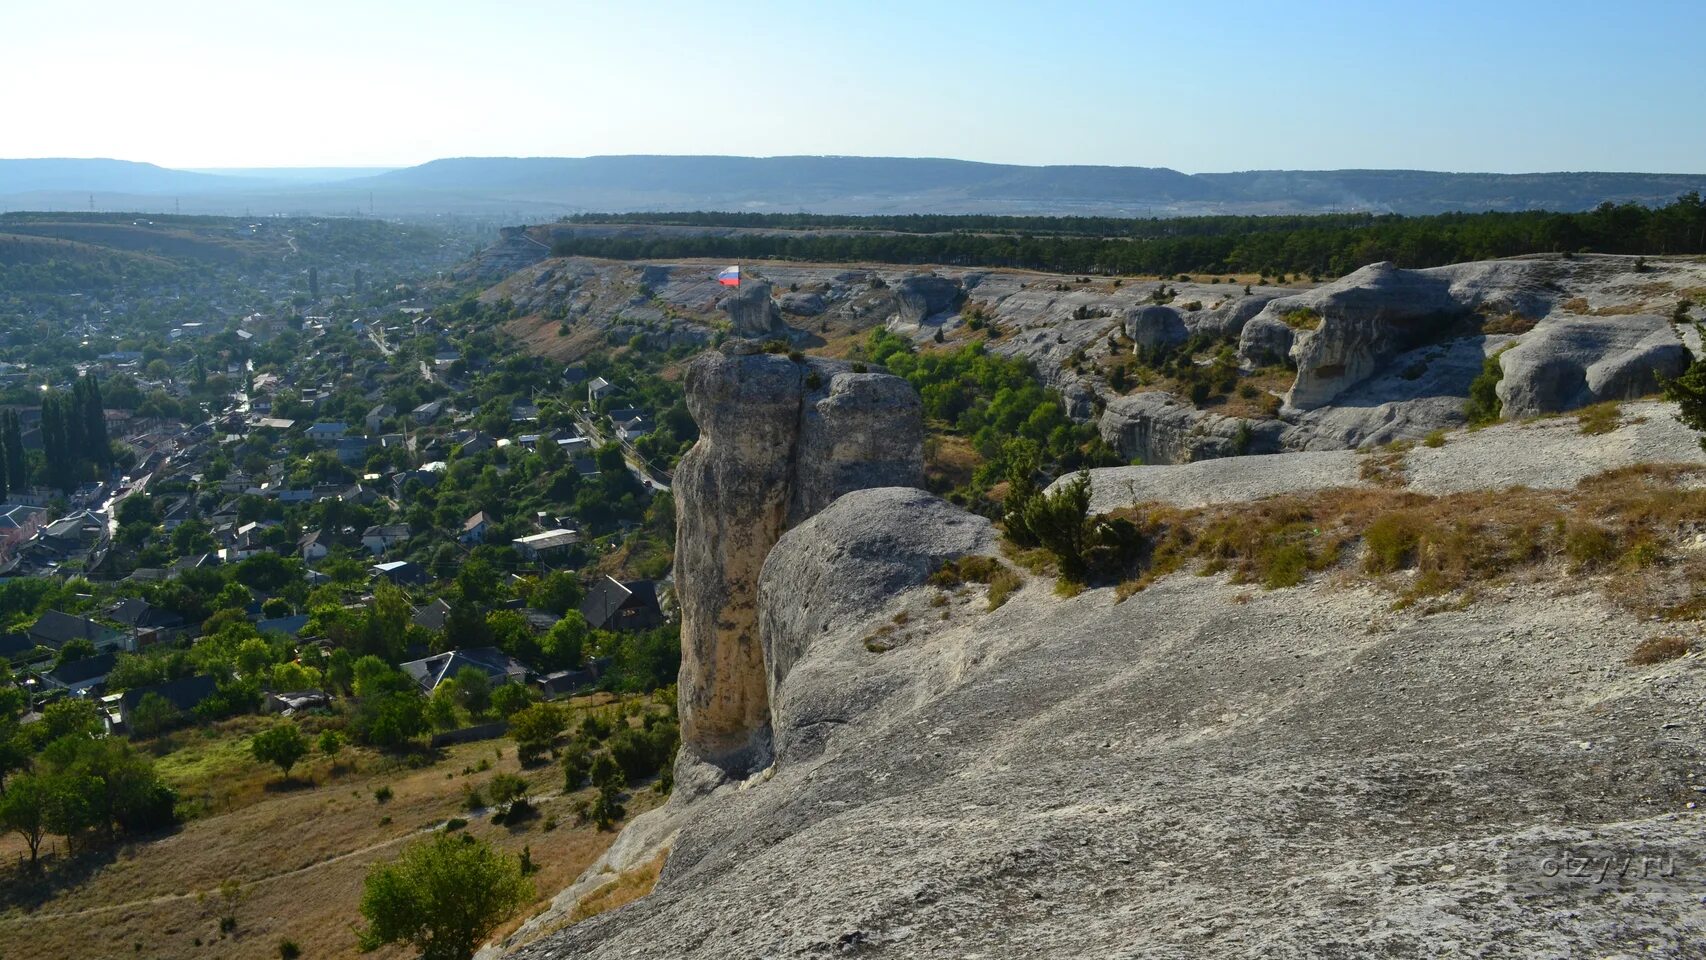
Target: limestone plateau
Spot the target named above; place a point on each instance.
(874, 764)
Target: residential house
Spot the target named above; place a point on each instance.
(499, 667)
(427, 412)
(432, 616)
(597, 389)
(547, 544)
(377, 416)
(327, 432)
(80, 677)
(184, 694)
(289, 626)
(147, 623)
(613, 605)
(401, 573)
(380, 538)
(474, 529)
(16, 647)
(312, 547)
(352, 451)
(55, 629)
(633, 429)
(586, 467)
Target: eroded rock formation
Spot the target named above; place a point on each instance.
(780, 439)
(751, 311)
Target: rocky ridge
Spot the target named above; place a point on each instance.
(1379, 355)
(1202, 770)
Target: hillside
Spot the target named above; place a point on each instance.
(1377, 751)
(549, 186)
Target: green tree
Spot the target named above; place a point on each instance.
(534, 729)
(474, 690)
(16, 465)
(24, 810)
(443, 897)
(282, 745)
(563, 646)
(153, 716)
(1688, 392)
(510, 697)
(558, 591)
(331, 742)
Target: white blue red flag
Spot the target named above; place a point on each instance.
(729, 277)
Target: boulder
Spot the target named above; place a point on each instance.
(1360, 322)
(779, 440)
(1573, 361)
(1155, 427)
(920, 297)
(1155, 327)
(1265, 341)
(804, 304)
(751, 311)
(843, 564)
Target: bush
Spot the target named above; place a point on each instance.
(1484, 406)
(1434, 439)
(382, 794)
(1060, 523)
(444, 897)
(1391, 542)
(1658, 650)
(289, 950)
(1588, 545)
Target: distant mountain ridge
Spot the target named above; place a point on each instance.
(542, 187)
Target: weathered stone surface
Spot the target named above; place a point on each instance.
(1570, 362)
(1155, 327)
(920, 297)
(779, 440)
(803, 304)
(1366, 318)
(854, 557)
(1052, 778)
(1265, 341)
(751, 311)
(1156, 427)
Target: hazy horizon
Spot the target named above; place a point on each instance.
(1217, 87)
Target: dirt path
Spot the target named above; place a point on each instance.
(316, 865)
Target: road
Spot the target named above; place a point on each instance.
(636, 463)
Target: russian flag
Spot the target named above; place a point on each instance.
(729, 276)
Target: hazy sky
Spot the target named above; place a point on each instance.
(1495, 85)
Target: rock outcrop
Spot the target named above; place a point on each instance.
(1571, 362)
(752, 312)
(779, 440)
(1155, 327)
(866, 548)
(1155, 427)
(918, 298)
(1052, 778)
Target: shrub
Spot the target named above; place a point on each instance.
(1658, 650)
(1434, 439)
(1484, 406)
(1391, 542)
(444, 897)
(1598, 419)
(289, 949)
(382, 794)
(1588, 545)
(1303, 318)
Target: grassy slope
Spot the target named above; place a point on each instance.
(299, 850)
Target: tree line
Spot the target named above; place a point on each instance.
(1327, 245)
(74, 439)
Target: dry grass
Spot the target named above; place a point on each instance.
(1512, 322)
(1658, 650)
(296, 853)
(625, 888)
(1579, 305)
(1001, 580)
(1621, 528)
(949, 461)
(1384, 466)
(1598, 419)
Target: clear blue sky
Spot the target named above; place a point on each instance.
(1497, 85)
